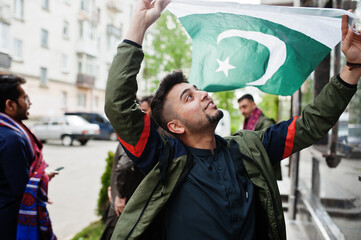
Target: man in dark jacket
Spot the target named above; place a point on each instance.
(124, 180)
(199, 185)
(255, 120)
(20, 155)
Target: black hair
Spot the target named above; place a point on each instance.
(147, 99)
(168, 82)
(9, 88)
(246, 96)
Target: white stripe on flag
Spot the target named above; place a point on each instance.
(296, 18)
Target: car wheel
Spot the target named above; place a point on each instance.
(113, 136)
(66, 140)
(83, 142)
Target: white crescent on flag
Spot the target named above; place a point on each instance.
(276, 47)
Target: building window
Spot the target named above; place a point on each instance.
(81, 100)
(64, 63)
(64, 99)
(87, 30)
(43, 76)
(18, 49)
(80, 67)
(4, 40)
(66, 29)
(19, 9)
(96, 102)
(45, 4)
(84, 5)
(44, 38)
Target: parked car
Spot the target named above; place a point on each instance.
(106, 129)
(65, 128)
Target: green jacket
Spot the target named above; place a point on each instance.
(263, 122)
(166, 163)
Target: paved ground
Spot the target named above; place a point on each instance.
(75, 190)
(340, 184)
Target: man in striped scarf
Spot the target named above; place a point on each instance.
(23, 181)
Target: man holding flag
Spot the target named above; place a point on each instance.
(199, 185)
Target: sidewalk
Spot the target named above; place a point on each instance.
(340, 194)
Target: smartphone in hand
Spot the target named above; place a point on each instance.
(58, 169)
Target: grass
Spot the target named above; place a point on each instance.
(91, 232)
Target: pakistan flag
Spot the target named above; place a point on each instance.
(272, 48)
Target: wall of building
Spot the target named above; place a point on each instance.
(66, 55)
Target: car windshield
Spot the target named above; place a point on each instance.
(75, 120)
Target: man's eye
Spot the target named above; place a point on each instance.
(189, 97)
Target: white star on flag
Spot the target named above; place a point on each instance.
(224, 66)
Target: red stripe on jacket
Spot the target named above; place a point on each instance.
(290, 138)
(138, 149)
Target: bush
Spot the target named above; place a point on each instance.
(103, 200)
(92, 232)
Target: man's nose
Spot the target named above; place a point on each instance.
(203, 95)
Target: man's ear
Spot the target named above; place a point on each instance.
(175, 126)
(254, 105)
(10, 106)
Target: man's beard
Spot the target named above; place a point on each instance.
(215, 119)
(203, 127)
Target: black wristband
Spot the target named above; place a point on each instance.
(132, 43)
(345, 83)
(353, 65)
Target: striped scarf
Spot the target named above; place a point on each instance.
(33, 218)
(251, 122)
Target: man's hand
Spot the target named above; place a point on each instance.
(351, 48)
(51, 173)
(119, 205)
(146, 12)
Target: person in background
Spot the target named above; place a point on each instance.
(145, 103)
(255, 120)
(23, 179)
(125, 178)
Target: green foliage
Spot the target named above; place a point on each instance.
(224, 100)
(170, 49)
(269, 106)
(103, 200)
(235, 122)
(92, 232)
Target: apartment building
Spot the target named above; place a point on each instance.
(63, 48)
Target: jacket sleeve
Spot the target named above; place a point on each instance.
(316, 120)
(15, 160)
(135, 131)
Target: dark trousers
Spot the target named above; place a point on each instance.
(110, 221)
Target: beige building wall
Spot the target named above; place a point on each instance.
(67, 55)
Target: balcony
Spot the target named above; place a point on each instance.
(114, 6)
(5, 60)
(87, 47)
(85, 81)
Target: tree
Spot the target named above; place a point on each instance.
(170, 49)
(269, 106)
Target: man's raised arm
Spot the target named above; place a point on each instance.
(129, 122)
(318, 117)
